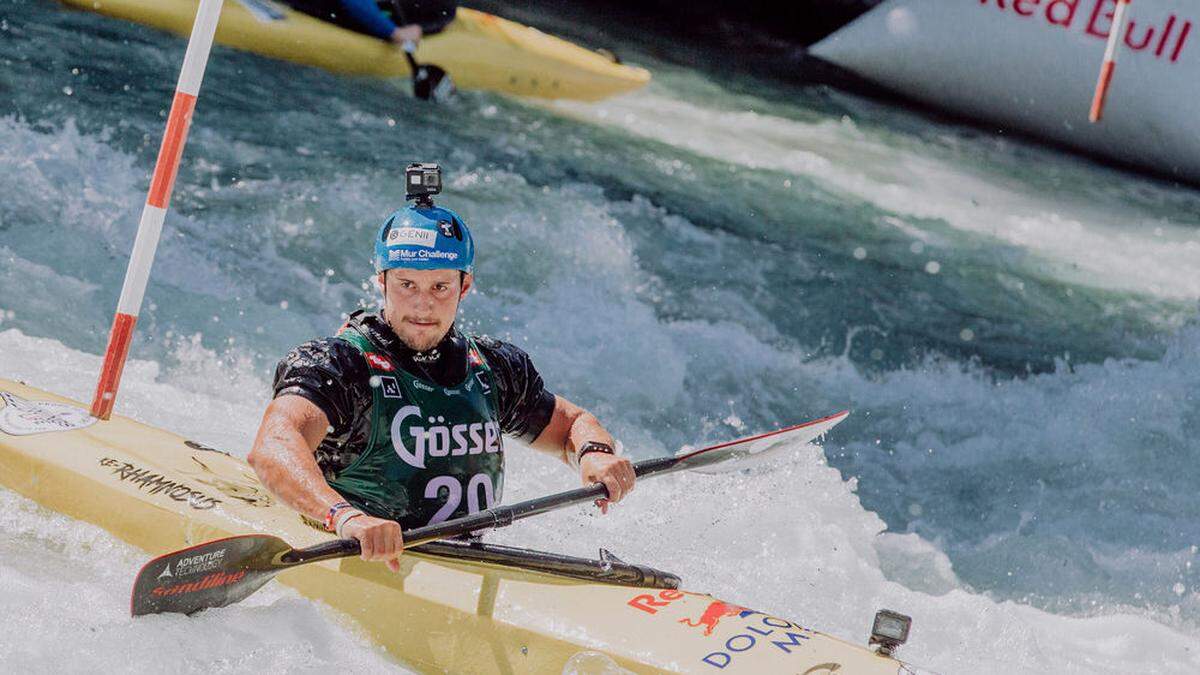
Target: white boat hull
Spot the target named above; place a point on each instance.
(1032, 65)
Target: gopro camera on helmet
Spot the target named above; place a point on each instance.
(421, 182)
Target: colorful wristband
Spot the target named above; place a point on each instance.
(331, 516)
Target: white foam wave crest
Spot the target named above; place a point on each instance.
(66, 602)
(789, 538)
(1085, 224)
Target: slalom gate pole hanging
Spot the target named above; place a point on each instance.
(155, 209)
(1115, 34)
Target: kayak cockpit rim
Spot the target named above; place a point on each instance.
(608, 571)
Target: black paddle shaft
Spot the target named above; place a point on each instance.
(225, 571)
(221, 572)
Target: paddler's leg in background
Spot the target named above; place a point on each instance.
(284, 458)
(360, 16)
(396, 21)
(432, 15)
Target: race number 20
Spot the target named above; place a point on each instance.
(479, 483)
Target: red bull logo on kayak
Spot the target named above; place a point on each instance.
(1165, 37)
(752, 629)
(713, 614)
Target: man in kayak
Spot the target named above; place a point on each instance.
(397, 420)
(397, 21)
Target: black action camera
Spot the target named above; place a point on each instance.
(421, 182)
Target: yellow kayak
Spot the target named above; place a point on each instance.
(478, 50)
(483, 610)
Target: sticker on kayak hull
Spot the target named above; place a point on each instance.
(21, 417)
(751, 629)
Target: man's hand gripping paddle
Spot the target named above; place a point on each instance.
(429, 82)
(225, 571)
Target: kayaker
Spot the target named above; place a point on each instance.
(397, 421)
(397, 21)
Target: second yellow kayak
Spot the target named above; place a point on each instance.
(479, 50)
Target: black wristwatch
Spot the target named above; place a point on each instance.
(593, 446)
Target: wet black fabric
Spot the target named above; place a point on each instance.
(333, 374)
(433, 15)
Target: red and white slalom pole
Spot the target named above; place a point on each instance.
(1115, 35)
(155, 210)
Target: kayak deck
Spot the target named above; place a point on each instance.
(609, 571)
(480, 610)
(479, 50)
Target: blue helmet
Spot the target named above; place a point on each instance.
(424, 238)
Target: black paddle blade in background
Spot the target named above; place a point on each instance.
(432, 83)
(212, 574)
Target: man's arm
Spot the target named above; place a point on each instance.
(569, 429)
(551, 423)
(283, 457)
(375, 22)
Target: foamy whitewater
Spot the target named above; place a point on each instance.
(1014, 329)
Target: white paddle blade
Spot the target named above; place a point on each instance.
(744, 452)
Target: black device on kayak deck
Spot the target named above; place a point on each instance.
(421, 182)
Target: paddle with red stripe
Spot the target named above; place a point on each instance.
(226, 571)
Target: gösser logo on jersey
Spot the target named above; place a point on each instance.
(412, 236)
(442, 440)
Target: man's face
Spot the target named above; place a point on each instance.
(420, 305)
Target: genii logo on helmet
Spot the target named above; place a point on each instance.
(411, 236)
(440, 440)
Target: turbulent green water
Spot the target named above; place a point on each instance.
(1014, 329)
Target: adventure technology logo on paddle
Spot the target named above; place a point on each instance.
(441, 440)
(21, 417)
(197, 564)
